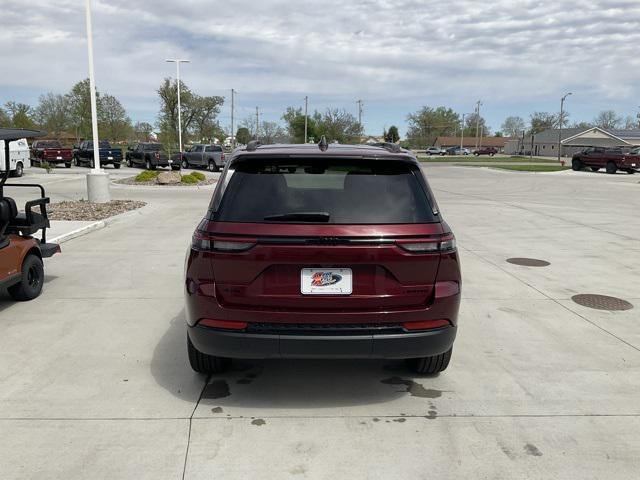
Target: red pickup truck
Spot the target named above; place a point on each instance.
(50, 151)
(612, 159)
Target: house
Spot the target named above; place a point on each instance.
(470, 142)
(545, 143)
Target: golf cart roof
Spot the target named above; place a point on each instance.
(12, 134)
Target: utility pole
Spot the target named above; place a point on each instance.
(178, 62)
(97, 179)
(462, 133)
(306, 117)
(560, 123)
(478, 103)
(233, 133)
(257, 122)
(359, 102)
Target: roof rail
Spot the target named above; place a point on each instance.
(391, 147)
(253, 145)
(322, 144)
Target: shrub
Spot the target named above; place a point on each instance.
(147, 176)
(199, 175)
(189, 179)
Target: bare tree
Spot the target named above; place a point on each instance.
(513, 126)
(608, 119)
(53, 114)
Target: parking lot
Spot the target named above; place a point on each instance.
(96, 381)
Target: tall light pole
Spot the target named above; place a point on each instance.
(257, 122)
(233, 133)
(560, 122)
(462, 133)
(178, 61)
(360, 103)
(306, 117)
(478, 103)
(97, 179)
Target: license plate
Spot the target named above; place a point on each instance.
(109, 158)
(58, 158)
(326, 281)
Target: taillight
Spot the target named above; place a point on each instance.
(203, 244)
(442, 246)
(157, 155)
(225, 324)
(426, 325)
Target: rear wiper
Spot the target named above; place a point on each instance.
(300, 216)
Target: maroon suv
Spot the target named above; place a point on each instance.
(322, 252)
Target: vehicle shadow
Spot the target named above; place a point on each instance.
(279, 383)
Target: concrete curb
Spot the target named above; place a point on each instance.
(78, 232)
(97, 225)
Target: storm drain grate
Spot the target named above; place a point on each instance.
(528, 262)
(601, 302)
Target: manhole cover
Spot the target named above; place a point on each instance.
(528, 262)
(601, 302)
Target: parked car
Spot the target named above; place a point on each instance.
(52, 152)
(612, 159)
(293, 259)
(457, 151)
(204, 156)
(491, 151)
(18, 157)
(434, 151)
(150, 156)
(83, 155)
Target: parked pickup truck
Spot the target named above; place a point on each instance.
(491, 151)
(612, 159)
(204, 156)
(83, 155)
(50, 151)
(149, 156)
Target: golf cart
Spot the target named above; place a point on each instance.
(21, 267)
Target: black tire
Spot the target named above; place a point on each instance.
(67, 165)
(185, 164)
(116, 166)
(611, 168)
(431, 365)
(576, 165)
(203, 363)
(212, 167)
(30, 285)
(19, 170)
(147, 164)
(631, 171)
(129, 163)
(595, 169)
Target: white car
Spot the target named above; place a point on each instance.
(19, 156)
(434, 151)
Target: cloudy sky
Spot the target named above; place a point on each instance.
(516, 56)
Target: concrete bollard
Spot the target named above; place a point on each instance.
(98, 187)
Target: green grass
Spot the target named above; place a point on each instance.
(147, 176)
(481, 158)
(199, 175)
(189, 179)
(525, 168)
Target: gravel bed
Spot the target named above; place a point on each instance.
(153, 183)
(82, 210)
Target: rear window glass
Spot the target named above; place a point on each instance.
(49, 144)
(329, 191)
(154, 147)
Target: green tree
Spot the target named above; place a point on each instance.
(53, 114)
(392, 134)
(294, 123)
(5, 121)
(338, 126)
(541, 121)
(476, 125)
(114, 124)
(206, 109)
(142, 131)
(243, 136)
(20, 115)
(582, 125)
(79, 100)
(428, 123)
(513, 126)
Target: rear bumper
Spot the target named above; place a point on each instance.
(225, 343)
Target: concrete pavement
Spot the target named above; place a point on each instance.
(95, 381)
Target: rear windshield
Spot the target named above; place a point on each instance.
(330, 191)
(154, 147)
(49, 144)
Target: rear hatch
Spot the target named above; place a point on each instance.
(326, 235)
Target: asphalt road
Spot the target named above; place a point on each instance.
(94, 379)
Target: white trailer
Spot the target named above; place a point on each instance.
(19, 156)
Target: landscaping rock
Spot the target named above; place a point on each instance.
(169, 178)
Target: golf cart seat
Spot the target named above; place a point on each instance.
(26, 223)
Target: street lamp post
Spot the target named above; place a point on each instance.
(560, 122)
(178, 61)
(306, 117)
(462, 132)
(97, 179)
